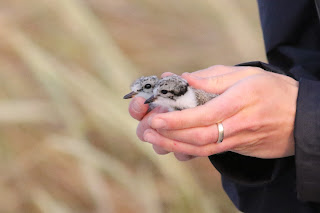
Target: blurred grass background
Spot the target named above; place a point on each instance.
(67, 142)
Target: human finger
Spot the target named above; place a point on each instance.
(137, 108)
(213, 71)
(218, 84)
(242, 144)
(154, 138)
(159, 150)
(214, 111)
(179, 156)
(183, 157)
(165, 74)
(200, 136)
(143, 124)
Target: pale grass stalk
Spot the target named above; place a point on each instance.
(180, 177)
(48, 204)
(103, 52)
(107, 108)
(44, 67)
(148, 191)
(24, 163)
(9, 201)
(13, 83)
(141, 188)
(86, 153)
(26, 111)
(97, 188)
(237, 27)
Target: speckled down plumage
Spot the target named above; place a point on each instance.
(175, 93)
(203, 97)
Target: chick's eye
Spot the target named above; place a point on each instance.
(147, 86)
(164, 91)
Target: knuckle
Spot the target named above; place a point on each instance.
(141, 128)
(216, 81)
(139, 132)
(166, 145)
(217, 67)
(204, 138)
(255, 70)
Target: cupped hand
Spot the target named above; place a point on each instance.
(139, 111)
(257, 109)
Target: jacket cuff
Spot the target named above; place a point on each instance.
(248, 170)
(307, 141)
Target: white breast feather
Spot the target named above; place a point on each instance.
(185, 101)
(165, 102)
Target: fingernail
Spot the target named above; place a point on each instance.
(136, 107)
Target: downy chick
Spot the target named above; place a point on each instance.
(175, 93)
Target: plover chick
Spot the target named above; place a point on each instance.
(175, 93)
(143, 87)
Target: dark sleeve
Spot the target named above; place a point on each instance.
(291, 31)
(307, 140)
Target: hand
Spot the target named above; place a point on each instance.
(257, 109)
(138, 110)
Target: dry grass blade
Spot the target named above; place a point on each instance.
(237, 27)
(148, 191)
(96, 187)
(26, 111)
(47, 204)
(97, 159)
(104, 54)
(43, 67)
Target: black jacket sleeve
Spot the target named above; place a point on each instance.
(291, 31)
(307, 141)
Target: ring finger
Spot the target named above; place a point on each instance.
(200, 136)
(154, 138)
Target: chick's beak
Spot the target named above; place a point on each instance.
(130, 95)
(150, 100)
